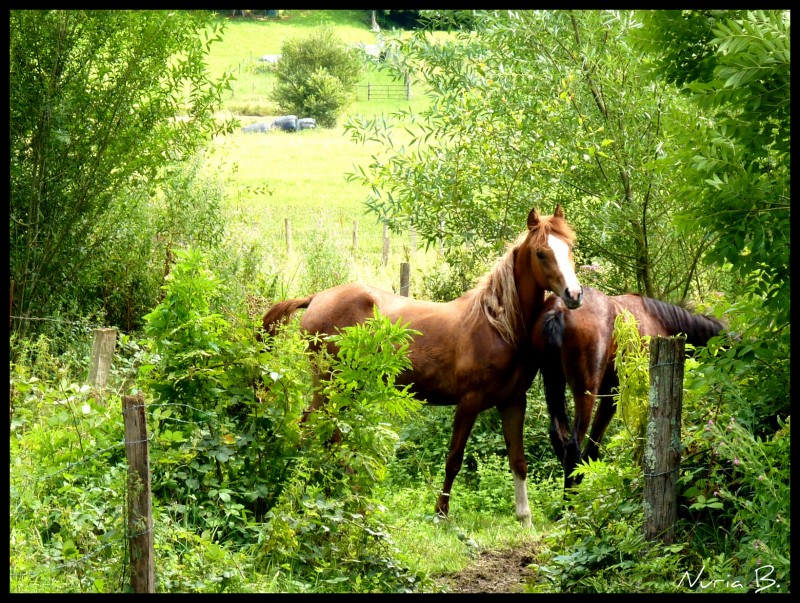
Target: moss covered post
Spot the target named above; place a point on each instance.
(662, 455)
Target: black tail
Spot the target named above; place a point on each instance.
(553, 330)
(553, 379)
(698, 328)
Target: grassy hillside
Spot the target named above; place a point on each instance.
(303, 175)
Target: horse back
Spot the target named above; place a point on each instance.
(656, 317)
(455, 351)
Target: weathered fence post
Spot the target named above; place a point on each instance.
(355, 236)
(105, 341)
(385, 253)
(405, 278)
(662, 453)
(288, 225)
(140, 520)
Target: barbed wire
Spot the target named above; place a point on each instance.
(87, 325)
(76, 562)
(27, 481)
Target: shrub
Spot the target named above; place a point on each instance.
(325, 265)
(316, 76)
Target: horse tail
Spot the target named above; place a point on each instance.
(553, 330)
(553, 378)
(281, 312)
(698, 328)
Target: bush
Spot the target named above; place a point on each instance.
(316, 76)
(325, 265)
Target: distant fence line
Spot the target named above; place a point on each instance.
(383, 91)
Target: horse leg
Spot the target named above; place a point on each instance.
(605, 412)
(555, 385)
(462, 426)
(513, 417)
(318, 399)
(584, 402)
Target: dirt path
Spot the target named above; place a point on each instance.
(503, 571)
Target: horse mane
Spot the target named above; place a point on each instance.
(699, 328)
(545, 227)
(496, 296)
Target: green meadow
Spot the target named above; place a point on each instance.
(302, 176)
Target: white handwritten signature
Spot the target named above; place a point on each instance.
(762, 580)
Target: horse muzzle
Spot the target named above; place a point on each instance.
(571, 301)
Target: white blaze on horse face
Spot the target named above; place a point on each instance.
(561, 252)
(521, 499)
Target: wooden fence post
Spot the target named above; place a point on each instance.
(105, 341)
(405, 277)
(288, 225)
(385, 253)
(140, 520)
(662, 453)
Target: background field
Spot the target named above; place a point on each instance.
(302, 176)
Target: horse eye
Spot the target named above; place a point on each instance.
(541, 255)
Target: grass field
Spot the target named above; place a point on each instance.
(302, 176)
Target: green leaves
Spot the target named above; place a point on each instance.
(102, 89)
(316, 76)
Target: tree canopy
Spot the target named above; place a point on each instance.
(101, 102)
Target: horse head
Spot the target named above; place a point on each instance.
(549, 247)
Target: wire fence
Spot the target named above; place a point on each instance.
(86, 469)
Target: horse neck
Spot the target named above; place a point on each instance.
(530, 294)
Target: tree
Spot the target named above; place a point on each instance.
(100, 102)
(531, 108)
(737, 167)
(316, 76)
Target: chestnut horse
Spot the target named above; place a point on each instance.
(577, 347)
(473, 352)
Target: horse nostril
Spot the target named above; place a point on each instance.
(573, 301)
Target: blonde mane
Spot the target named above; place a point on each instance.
(496, 296)
(496, 292)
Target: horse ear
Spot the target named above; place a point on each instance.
(558, 213)
(533, 218)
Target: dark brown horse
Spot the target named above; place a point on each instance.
(577, 347)
(474, 351)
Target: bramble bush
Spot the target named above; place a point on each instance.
(235, 463)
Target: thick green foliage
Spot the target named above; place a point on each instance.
(531, 108)
(66, 480)
(232, 458)
(99, 101)
(316, 76)
(631, 363)
(737, 164)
